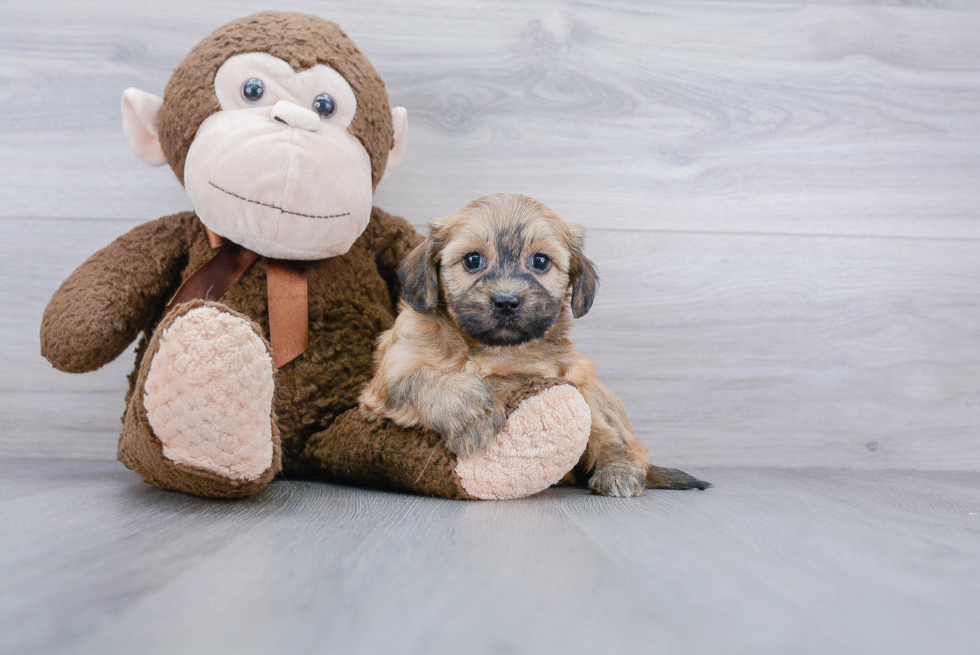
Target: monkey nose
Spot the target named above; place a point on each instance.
(295, 116)
(506, 303)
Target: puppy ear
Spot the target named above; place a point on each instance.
(582, 274)
(585, 283)
(419, 278)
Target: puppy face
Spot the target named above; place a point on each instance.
(502, 267)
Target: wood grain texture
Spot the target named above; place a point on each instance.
(858, 118)
(782, 198)
(94, 561)
(728, 349)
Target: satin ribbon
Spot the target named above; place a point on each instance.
(286, 289)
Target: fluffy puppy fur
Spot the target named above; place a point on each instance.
(488, 300)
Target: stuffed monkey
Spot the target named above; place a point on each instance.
(260, 309)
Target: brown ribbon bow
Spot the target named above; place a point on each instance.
(286, 289)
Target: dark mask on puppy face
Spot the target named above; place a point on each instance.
(502, 267)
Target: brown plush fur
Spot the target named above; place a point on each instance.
(124, 289)
(362, 450)
(303, 41)
(443, 362)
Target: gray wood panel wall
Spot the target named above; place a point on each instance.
(783, 200)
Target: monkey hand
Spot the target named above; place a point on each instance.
(466, 415)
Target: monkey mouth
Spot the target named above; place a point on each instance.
(276, 207)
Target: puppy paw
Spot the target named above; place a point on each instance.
(476, 436)
(619, 481)
(469, 419)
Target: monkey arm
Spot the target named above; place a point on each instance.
(98, 311)
(391, 238)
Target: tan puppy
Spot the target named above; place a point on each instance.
(489, 298)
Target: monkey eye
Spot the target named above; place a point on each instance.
(540, 262)
(474, 261)
(253, 90)
(324, 105)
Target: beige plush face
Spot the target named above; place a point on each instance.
(276, 169)
(279, 128)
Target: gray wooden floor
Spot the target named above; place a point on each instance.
(769, 561)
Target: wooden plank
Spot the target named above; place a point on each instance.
(826, 561)
(812, 118)
(819, 351)
(727, 349)
(73, 424)
(36, 255)
(768, 561)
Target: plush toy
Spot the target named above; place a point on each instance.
(260, 309)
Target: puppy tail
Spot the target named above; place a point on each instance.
(661, 478)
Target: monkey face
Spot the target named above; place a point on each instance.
(279, 128)
(503, 267)
(275, 169)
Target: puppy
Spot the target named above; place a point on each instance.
(489, 297)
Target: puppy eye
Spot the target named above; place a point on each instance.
(324, 105)
(540, 263)
(253, 89)
(473, 261)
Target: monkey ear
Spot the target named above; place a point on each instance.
(420, 279)
(141, 111)
(582, 274)
(399, 119)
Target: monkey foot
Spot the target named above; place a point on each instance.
(208, 395)
(541, 441)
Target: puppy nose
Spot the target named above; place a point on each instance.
(506, 303)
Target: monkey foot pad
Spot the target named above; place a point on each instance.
(209, 395)
(541, 441)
